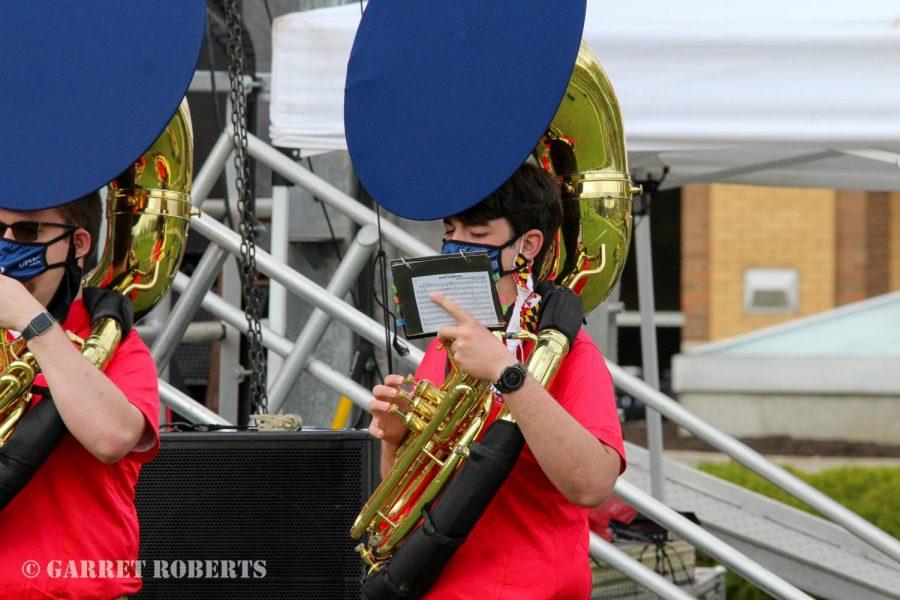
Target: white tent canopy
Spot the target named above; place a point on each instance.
(797, 93)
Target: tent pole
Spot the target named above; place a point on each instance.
(727, 174)
(649, 354)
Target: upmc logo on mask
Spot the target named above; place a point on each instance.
(28, 262)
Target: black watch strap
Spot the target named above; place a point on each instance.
(512, 378)
(38, 325)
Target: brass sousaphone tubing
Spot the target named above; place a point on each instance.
(584, 148)
(148, 209)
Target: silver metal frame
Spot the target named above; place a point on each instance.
(300, 285)
(235, 319)
(649, 351)
(653, 581)
(330, 306)
(186, 405)
(180, 316)
(278, 296)
(348, 271)
(755, 461)
(208, 331)
(699, 537)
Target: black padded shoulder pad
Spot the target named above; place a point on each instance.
(560, 310)
(102, 303)
(37, 434)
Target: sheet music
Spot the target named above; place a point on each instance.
(472, 291)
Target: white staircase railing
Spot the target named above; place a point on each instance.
(195, 292)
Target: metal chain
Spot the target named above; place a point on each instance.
(246, 207)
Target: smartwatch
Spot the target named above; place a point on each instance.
(511, 379)
(38, 325)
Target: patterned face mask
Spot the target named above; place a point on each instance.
(493, 252)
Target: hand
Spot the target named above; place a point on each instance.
(475, 350)
(385, 426)
(17, 306)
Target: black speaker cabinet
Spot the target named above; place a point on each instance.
(254, 515)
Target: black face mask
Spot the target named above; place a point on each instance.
(68, 286)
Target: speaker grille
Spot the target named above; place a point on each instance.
(286, 499)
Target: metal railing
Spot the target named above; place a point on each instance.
(354, 261)
(365, 326)
(195, 293)
(755, 461)
(279, 344)
(653, 581)
(629, 383)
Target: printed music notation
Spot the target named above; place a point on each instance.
(464, 279)
(472, 291)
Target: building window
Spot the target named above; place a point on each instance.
(771, 291)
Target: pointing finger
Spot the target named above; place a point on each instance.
(453, 309)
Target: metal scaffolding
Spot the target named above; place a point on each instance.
(298, 356)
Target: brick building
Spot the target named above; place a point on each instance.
(792, 266)
(844, 246)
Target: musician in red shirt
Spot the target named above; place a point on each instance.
(532, 541)
(72, 531)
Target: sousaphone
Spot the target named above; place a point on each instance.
(444, 101)
(94, 97)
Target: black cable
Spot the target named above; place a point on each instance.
(378, 372)
(353, 372)
(389, 317)
(381, 256)
(402, 350)
(268, 11)
(362, 369)
(668, 561)
(691, 579)
(337, 248)
(378, 301)
(334, 242)
(640, 557)
(340, 256)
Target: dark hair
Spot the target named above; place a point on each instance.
(85, 212)
(530, 199)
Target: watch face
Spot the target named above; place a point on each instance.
(513, 378)
(42, 322)
(38, 325)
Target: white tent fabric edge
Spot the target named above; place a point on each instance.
(797, 94)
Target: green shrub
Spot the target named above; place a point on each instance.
(871, 492)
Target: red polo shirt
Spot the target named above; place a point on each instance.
(76, 518)
(532, 543)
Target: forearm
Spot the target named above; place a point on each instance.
(94, 410)
(388, 457)
(580, 466)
